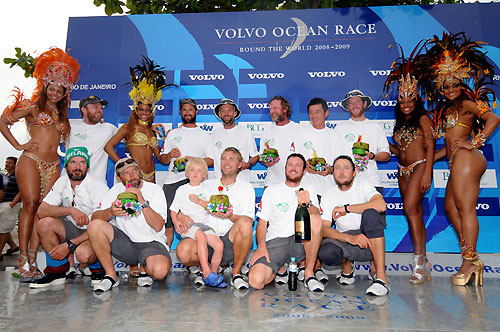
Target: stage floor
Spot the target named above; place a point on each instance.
(176, 305)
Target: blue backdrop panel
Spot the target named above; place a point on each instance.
(252, 56)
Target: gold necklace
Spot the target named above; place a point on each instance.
(144, 123)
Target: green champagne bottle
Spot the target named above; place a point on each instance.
(302, 223)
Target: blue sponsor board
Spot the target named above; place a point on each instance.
(395, 206)
(486, 206)
(252, 56)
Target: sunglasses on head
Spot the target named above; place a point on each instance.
(125, 162)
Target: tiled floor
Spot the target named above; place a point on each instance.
(175, 305)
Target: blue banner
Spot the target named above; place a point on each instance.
(252, 56)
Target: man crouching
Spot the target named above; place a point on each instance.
(138, 237)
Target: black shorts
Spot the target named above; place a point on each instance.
(133, 253)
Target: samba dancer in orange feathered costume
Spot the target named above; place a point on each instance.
(46, 116)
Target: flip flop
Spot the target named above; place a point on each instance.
(215, 280)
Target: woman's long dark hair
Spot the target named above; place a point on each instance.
(413, 123)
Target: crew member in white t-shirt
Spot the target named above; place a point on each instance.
(318, 141)
(92, 133)
(358, 127)
(233, 135)
(235, 228)
(275, 232)
(355, 206)
(64, 215)
(138, 235)
(188, 140)
(281, 135)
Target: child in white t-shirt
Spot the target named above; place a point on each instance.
(196, 172)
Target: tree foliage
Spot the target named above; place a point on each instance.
(201, 6)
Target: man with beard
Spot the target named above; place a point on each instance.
(64, 215)
(355, 206)
(233, 135)
(186, 141)
(281, 135)
(92, 133)
(138, 233)
(275, 232)
(235, 228)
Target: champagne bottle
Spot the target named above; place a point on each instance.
(302, 223)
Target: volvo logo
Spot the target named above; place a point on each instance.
(206, 77)
(326, 74)
(261, 76)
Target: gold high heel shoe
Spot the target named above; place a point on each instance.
(462, 279)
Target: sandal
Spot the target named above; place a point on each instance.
(11, 251)
(32, 254)
(426, 268)
(215, 280)
(25, 273)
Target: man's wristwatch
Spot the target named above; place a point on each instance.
(373, 155)
(145, 205)
(345, 208)
(71, 246)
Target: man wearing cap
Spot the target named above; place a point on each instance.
(64, 215)
(186, 141)
(233, 135)
(281, 135)
(138, 233)
(359, 128)
(92, 133)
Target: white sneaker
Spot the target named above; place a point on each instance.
(302, 275)
(144, 280)
(198, 281)
(314, 285)
(378, 288)
(72, 273)
(85, 271)
(346, 279)
(321, 276)
(281, 278)
(106, 284)
(239, 283)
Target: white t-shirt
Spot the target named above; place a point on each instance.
(238, 137)
(136, 228)
(182, 203)
(360, 192)
(278, 206)
(325, 142)
(241, 196)
(372, 134)
(194, 142)
(86, 196)
(283, 139)
(94, 138)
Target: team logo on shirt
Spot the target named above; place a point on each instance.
(350, 137)
(81, 136)
(177, 139)
(308, 145)
(283, 207)
(218, 145)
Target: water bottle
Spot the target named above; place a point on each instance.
(302, 223)
(292, 275)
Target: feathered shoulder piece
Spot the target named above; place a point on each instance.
(19, 103)
(406, 72)
(147, 79)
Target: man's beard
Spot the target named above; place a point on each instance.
(185, 121)
(94, 119)
(297, 179)
(345, 183)
(227, 123)
(279, 118)
(74, 177)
